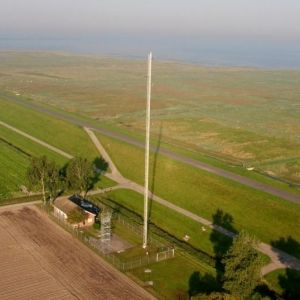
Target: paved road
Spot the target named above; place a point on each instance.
(279, 259)
(195, 163)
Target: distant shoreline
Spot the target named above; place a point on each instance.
(141, 58)
(207, 54)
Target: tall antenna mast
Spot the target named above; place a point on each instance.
(145, 235)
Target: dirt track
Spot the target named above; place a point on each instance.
(39, 260)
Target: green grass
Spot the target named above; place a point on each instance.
(237, 114)
(62, 135)
(259, 213)
(126, 234)
(284, 281)
(104, 183)
(175, 276)
(65, 136)
(197, 154)
(174, 223)
(273, 280)
(31, 148)
(136, 252)
(13, 166)
(171, 221)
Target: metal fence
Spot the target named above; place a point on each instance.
(102, 248)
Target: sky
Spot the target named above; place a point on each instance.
(218, 32)
(261, 19)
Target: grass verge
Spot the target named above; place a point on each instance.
(205, 194)
(285, 283)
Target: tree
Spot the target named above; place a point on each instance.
(242, 266)
(37, 173)
(45, 174)
(80, 175)
(53, 181)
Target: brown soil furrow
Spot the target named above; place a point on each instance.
(39, 260)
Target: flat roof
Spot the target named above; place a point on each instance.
(66, 205)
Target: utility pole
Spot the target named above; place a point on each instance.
(147, 144)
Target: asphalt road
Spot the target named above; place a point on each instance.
(178, 157)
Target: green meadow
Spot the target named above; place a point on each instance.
(168, 220)
(13, 165)
(194, 277)
(267, 217)
(17, 150)
(241, 115)
(285, 282)
(29, 147)
(63, 135)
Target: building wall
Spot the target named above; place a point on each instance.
(60, 214)
(89, 221)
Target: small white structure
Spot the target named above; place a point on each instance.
(186, 238)
(64, 206)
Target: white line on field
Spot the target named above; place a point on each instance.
(61, 152)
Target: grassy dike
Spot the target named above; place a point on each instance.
(202, 155)
(259, 213)
(63, 135)
(16, 150)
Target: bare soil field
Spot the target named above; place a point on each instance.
(39, 260)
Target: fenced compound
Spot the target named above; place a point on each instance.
(103, 248)
(165, 254)
(157, 234)
(132, 226)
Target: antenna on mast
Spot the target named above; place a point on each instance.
(147, 144)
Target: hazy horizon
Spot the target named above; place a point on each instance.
(263, 33)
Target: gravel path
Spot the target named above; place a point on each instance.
(279, 258)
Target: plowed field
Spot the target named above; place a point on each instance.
(39, 260)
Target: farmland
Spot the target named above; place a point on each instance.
(36, 265)
(243, 116)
